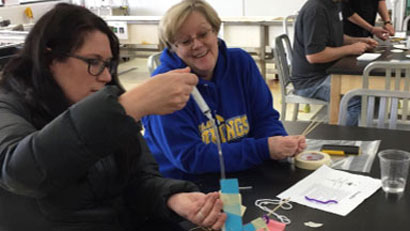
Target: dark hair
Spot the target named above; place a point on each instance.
(58, 32)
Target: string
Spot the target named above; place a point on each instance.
(262, 204)
(284, 204)
(201, 228)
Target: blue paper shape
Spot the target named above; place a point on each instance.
(230, 186)
(233, 221)
(249, 227)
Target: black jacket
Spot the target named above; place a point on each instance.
(66, 176)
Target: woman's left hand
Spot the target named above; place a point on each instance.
(199, 208)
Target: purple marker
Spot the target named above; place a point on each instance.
(266, 219)
(320, 201)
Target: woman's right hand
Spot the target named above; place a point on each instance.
(281, 147)
(163, 94)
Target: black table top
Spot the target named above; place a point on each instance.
(378, 212)
(349, 65)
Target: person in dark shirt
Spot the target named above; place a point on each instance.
(360, 16)
(318, 42)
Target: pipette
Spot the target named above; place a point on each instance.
(207, 112)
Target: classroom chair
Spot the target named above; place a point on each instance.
(373, 115)
(283, 59)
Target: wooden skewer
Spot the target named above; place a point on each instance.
(308, 127)
(311, 127)
(307, 131)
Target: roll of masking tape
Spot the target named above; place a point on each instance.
(312, 160)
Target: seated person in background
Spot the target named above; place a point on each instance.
(359, 17)
(184, 142)
(71, 153)
(318, 42)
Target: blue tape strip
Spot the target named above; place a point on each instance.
(229, 186)
(233, 221)
(249, 227)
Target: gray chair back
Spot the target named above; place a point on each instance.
(153, 61)
(397, 78)
(388, 101)
(283, 59)
(405, 23)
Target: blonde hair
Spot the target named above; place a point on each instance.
(177, 14)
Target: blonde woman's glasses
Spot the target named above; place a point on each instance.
(187, 43)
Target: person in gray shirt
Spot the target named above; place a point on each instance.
(319, 42)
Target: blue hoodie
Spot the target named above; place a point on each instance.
(184, 142)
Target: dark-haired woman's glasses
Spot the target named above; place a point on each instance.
(96, 66)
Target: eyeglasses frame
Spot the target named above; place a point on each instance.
(107, 64)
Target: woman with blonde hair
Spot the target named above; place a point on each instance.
(183, 142)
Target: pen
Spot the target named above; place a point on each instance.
(320, 201)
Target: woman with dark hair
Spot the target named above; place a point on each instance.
(71, 153)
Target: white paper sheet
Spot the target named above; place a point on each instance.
(368, 56)
(400, 46)
(400, 34)
(324, 184)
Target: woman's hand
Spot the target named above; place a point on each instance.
(163, 94)
(200, 209)
(281, 147)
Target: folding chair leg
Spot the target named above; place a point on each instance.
(295, 112)
(283, 113)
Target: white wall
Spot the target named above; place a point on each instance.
(274, 8)
(150, 7)
(228, 7)
(16, 15)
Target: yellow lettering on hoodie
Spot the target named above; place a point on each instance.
(229, 129)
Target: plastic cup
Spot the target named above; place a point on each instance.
(394, 166)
